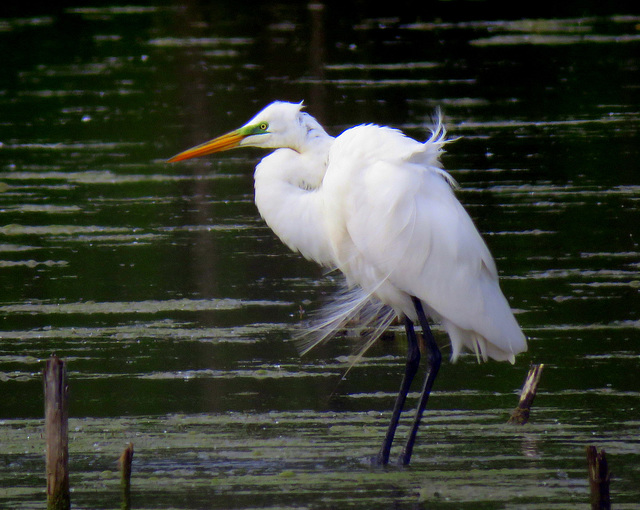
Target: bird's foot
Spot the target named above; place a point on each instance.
(381, 459)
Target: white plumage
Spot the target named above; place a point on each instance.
(378, 206)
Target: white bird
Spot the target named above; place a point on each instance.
(378, 206)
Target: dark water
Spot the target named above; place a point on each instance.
(175, 306)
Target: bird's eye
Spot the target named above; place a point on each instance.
(264, 126)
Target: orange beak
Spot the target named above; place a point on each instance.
(222, 143)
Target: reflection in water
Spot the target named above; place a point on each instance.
(530, 446)
(317, 61)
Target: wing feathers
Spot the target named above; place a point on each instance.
(403, 232)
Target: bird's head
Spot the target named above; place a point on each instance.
(278, 125)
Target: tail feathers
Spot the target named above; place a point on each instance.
(483, 349)
(350, 306)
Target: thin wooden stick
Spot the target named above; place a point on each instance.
(599, 477)
(124, 462)
(56, 413)
(520, 414)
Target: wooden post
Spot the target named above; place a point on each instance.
(56, 417)
(520, 414)
(599, 476)
(125, 475)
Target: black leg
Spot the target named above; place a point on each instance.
(413, 362)
(433, 365)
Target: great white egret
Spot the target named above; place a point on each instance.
(377, 205)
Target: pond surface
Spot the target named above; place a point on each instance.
(175, 306)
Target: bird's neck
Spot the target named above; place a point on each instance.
(306, 167)
(312, 164)
(288, 187)
(311, 137)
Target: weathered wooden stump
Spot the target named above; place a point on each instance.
(520, 414)
(599, 477)
(56, 413)
(124, 462)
